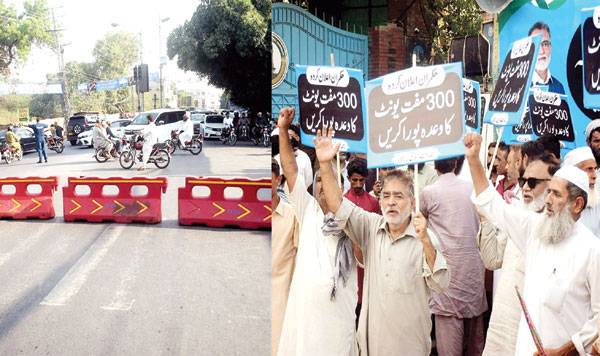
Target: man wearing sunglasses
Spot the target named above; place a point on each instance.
(498, 251)
(561, 286)
(541, 75)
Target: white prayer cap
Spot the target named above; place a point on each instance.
(578, 155)
(594, 124)
(575, 176)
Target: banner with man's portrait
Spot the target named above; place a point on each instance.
(559, 66)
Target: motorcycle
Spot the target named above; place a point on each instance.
(265, 136)
(55, 144)
(103, 154)
(228, 135)
(6, 153)
(132, 152)
(194, 146)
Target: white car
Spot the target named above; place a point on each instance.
(166, 120)
(117, 127)
(213, 125)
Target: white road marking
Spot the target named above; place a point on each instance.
(76, 277)
(122, 300)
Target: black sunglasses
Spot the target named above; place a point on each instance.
(531, 182)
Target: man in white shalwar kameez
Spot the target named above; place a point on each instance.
(562, 259)
(315, 324)
(583, 158)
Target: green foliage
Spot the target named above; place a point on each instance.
(448, 19)
(20, 31)
(45, 105)
(114, 56)
(228, 41)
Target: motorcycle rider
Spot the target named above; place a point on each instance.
(13, 140)
(244, 121)
(187, 130)
(101, 140)
(261, 122)
(58, 131)
(112, 137)
(150, 139)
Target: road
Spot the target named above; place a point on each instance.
(110, 289)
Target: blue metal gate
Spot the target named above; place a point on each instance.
(301, 38)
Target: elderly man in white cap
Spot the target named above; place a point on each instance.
(592, 138)
(583, 158)
(562, 259)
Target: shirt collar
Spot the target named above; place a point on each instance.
(536, 79)
(446, 176)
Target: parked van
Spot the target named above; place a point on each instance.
(166, 121)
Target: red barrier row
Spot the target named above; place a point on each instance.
(27, 198)
(122, 207)
(215, 210)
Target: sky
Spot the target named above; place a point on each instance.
(84, 22)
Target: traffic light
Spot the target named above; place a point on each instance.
(135, 74)
(142, 78)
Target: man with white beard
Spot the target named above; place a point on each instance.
(402, 262)
(498, 251)
(583, 158)
(562, 259)
(541, 75)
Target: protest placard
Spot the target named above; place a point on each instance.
(509, 98)
(472, 102)
(415, 115)
(332, 96)
(590, 37)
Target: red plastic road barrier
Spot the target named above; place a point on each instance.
(123, 207)
(21, 203)
(216, 211)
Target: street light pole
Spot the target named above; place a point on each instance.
(66, 105)
(160, 62)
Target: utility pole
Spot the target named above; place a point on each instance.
(160, 60)
(66, 106)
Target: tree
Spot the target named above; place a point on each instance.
(448, 19)
(228, 41)
(114, 56)
(45, 105)
(21, 31)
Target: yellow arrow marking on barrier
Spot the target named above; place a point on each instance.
(270, 212)
(17, 205)
(74, 209)
(121, 207)
(99, 207)
(144, 207)
(243, 214)
(37, 205)
(221, 210)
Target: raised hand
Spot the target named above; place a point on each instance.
(286, 116)
(420, 224)
(324, 146)
(472, 143)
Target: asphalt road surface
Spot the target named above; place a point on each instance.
(111, 289)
